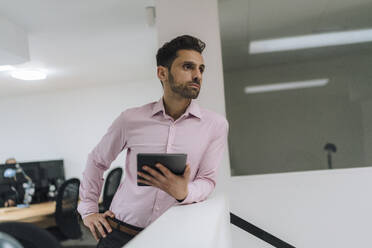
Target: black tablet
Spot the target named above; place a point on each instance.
(175, 162)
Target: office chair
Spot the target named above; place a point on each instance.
(66, 216)
(8, 241)
(111, 185)
(29, 235)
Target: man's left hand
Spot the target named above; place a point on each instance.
(175, 185)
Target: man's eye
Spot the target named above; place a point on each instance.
(187, 66)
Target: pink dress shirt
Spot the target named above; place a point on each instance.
(200, 133)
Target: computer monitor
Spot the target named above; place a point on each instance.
(32, 169)
(52, 172)
(7, 184)
(42, 174)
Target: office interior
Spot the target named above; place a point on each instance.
(277, 173)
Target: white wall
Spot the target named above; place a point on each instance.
(67, 124)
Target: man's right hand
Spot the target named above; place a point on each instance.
(96, 222)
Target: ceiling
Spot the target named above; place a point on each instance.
(242, 21)
(82, 43)
(91, 43)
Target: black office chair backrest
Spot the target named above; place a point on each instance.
(66, 215)
(111, 185)
(29, 235)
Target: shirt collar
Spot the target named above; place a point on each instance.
(192, 109)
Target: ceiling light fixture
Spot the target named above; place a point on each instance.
(6, 68)
(310, 41)
(28, 74)
(286, 86)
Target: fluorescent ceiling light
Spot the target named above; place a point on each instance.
(28, 74)
(286, 86)
(311, 41)
(6, 68)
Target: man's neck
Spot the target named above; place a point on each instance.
(175, 107)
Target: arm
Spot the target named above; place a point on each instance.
(199, 189)
(99, 160)
(205, 180)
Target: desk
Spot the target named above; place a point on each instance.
(41, 214)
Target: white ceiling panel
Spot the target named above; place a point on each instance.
(82, 43)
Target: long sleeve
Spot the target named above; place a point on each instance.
(205, 180)
(99, 160)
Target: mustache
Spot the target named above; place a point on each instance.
(195, 81)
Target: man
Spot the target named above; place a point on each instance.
(13, 193)
(174, 124)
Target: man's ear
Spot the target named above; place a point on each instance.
(162, 72)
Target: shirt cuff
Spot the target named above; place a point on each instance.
(87, 208)
(86, 215)
(189, 198)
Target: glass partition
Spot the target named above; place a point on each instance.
(298, 84)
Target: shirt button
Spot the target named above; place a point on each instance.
(157, 209)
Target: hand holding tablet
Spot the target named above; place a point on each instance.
(175, 162)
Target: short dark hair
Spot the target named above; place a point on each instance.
(168, 52)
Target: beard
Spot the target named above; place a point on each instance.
(184, 90)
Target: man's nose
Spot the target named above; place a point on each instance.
(197, 76)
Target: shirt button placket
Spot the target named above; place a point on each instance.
(170, 137)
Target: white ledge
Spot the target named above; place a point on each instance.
(205, 225)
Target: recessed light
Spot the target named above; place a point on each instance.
(6, 68)
(286, 86)
(311, 41)
(27, 74)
